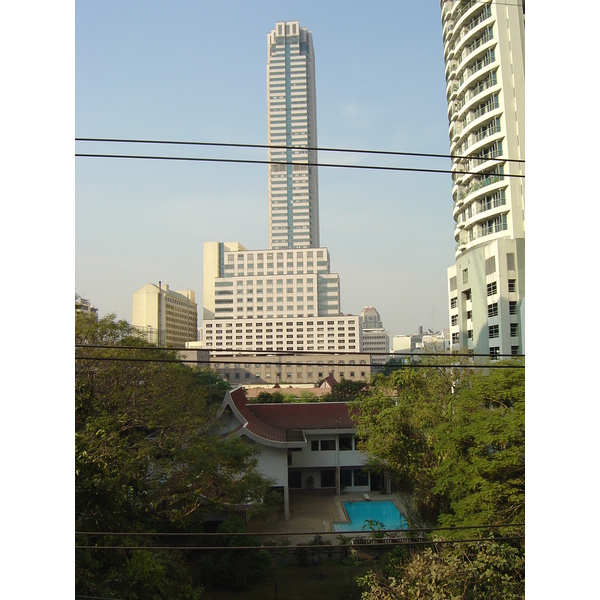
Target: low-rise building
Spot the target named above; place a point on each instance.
(302, 445)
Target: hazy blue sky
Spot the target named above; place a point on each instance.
(196, 71)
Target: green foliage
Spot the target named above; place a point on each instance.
(269, 398)
(453, 436)
(376, 528)
(146, 460)
(462, 571)
(347, 390)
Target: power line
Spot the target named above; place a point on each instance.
(287, 533)
(308, 364)
(366, 543)
(242, 353)
(281, 147)
(274, 162)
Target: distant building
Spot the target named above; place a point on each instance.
(83, 305)
(484, 52)
(376, 340)
(164, 317)
(273, 300)
(292, 124)
(299, 369)
(432, 341)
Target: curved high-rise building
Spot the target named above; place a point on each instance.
(292, 124)
(485, 86)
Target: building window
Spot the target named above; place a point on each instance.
(512, 307)
(494, 352)
(493, 310)
(314, 445)
(361, 477)
(492, 288)
(328, 479)
(494, 331)
(514, 329)
(453, 302)
(455, 338)
(512, 285)
(346, 477)
(454, 320)
(345, 442)
(327, 445)
(465, 275)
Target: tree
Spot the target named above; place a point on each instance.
(455, 437)
(146, 459)
(347, 390)
(473, 571)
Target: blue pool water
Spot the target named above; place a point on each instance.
(385, 512)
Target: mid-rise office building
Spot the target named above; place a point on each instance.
(165, 317)
(376, 340)
(274, 300)
(485, 73)
(292, 124)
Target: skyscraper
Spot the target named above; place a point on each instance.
(484, 51)
(292, 124)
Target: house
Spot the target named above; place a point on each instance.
(303, 445)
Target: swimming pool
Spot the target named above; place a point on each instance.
(384, 511)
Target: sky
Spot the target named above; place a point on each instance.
(196, 71)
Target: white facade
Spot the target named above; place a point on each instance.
(338, 334)
(165, 317)
(292, 124)
(274, 300)
(485, 74)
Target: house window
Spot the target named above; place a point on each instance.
(493, 310)
(361, 477)
(314, 445)
(494, 331)
(345, 442)
(328, 479)
(346, 477)
(327, 444)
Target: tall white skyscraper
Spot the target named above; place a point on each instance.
(292, 124)
(484, 51)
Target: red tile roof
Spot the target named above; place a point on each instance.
(274, 421)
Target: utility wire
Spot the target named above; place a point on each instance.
(308, 364)
(242, 353)
(370, 544)
(307, 164)
(281, 147)
(287, 533)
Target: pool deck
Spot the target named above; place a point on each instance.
(312, 512)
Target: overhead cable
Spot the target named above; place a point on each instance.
(282, 147)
